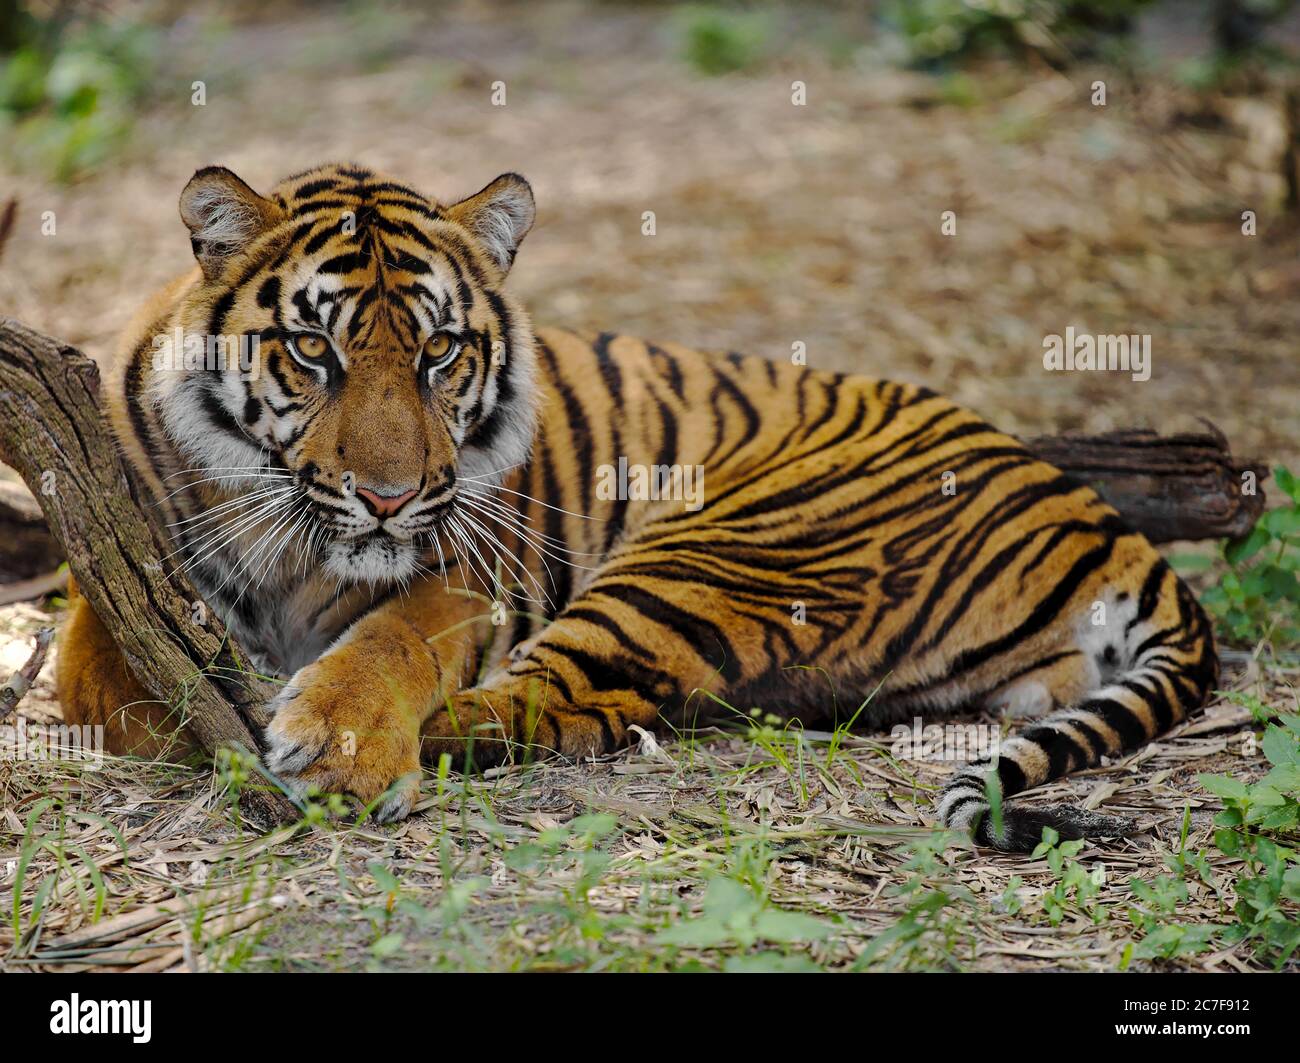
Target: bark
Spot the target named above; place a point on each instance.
(1186, 486)
(53, 435)
(27, 548)
(21, 681)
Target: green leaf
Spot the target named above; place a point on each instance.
(596, 825)
(1255, 584)
(524, 856)
(1280, 747)
(791, 927)
(1285, 779)
(1288, 481)
(1281, 583)
(553, 837)
(1239, 550)
(1281, 522)
(1283, 818)
(387, 945)
(725, 897)
(1225, 787)
(1263, 797)
(702, 933)
(1050, 838)
(384, 878)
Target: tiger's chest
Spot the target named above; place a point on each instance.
(276, 646)
(283, 624)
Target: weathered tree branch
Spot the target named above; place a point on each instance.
(27, 548)
(21, 681)
(53, 435)
(7, 214)
(1174, 487)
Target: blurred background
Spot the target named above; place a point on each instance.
(775, 223)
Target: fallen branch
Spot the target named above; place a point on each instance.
(54, 436)
(1169, 488)
(29, 590)
(7, 214)
(1174, 487)
(27, 548)
(21, 681)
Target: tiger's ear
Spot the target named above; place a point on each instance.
(498, 217)
(224, 216)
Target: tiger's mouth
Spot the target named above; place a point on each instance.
(371, 550)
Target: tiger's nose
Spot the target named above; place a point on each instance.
(383, 506)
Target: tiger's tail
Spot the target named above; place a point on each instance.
(1169, 669)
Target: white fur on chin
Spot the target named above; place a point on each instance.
(370, 560)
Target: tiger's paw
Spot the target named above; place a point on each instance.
(340, 728)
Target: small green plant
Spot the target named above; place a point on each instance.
(936, 927)
(395, 909)
(1260, 825)
(937, 30)
(1258, 596)
(574, 845)
(46, 829)
(1245, 45)
(1010, 901)
(1076, 887)
(69, 90)
(717, 41)
(1156, 902)
(1185, 865)
(736, 916)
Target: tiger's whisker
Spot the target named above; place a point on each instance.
(497, 549)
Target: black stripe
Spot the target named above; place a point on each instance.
(1120, 718)
(701, 634)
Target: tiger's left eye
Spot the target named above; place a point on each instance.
(311, 346)
(440, 350)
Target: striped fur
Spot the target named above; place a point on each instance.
(826, 549)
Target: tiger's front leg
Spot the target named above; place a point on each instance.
(616, 658)
(349, 722)
(514, 715)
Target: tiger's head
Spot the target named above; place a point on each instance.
(382, 362)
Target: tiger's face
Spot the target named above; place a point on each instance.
(381, 363)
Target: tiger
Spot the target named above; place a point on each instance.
(448, 533)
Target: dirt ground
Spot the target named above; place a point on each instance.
(775, 225)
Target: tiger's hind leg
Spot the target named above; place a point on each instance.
(1166, 668)
(96, 689)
